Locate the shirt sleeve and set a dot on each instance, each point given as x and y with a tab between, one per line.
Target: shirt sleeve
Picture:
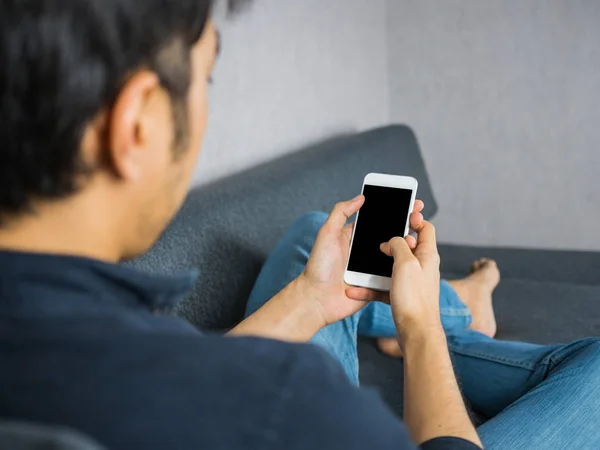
449	443
320	408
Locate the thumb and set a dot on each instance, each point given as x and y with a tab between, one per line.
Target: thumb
343	211
397	248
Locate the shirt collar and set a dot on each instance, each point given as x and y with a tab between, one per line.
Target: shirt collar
42	281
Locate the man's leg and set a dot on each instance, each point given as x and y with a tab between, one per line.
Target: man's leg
536	397
542	397
284	265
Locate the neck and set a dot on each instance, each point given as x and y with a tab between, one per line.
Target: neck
69	227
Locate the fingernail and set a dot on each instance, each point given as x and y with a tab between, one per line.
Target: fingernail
357	198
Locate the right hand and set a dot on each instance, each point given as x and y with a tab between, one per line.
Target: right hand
415	290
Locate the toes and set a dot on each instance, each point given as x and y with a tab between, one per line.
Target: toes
486	269
482	263
488	263
476	266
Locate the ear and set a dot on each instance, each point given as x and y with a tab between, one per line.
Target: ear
128	131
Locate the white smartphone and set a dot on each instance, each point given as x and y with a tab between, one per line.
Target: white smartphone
386	213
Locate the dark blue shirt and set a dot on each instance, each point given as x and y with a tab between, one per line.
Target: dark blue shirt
87	345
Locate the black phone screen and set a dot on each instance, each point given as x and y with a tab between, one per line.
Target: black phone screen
382	217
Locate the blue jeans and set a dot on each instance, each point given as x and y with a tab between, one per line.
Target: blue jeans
536	397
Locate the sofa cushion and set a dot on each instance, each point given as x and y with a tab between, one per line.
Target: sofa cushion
547	312
545	296
227	229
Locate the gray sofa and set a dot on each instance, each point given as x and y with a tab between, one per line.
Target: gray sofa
226	230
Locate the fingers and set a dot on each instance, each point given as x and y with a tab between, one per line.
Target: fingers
343	211
426	250
398	248
419	206
348	229
411	241
367	295
427	238
416	218
416	221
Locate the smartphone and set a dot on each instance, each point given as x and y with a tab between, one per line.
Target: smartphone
386	214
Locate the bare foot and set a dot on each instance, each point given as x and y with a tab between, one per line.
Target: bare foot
476	292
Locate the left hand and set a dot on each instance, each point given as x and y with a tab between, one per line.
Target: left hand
323	276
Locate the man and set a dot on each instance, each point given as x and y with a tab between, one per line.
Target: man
102	112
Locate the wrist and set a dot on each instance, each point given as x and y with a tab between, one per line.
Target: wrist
417	335
307	298
289	316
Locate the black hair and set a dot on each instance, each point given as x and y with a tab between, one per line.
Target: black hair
61	62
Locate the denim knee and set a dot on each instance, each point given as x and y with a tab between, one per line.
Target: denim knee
310	222
456	316
592	359
582	356
304	230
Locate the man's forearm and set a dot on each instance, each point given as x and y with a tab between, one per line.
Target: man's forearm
433	404
288	316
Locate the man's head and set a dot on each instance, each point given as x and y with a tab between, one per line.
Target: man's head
103	106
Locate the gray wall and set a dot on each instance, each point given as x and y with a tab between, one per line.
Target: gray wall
504	96
293	72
